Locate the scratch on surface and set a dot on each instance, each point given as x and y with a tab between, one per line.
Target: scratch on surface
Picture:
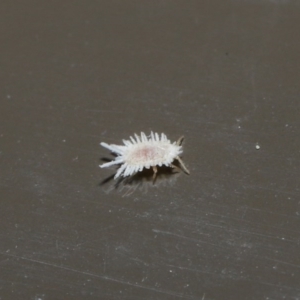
254	233
162	291
282	262
260	234
185	237
271	189
277	285
191	269
104	111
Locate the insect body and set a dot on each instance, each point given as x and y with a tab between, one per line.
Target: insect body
145	152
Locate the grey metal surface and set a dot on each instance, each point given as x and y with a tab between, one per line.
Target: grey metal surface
223	73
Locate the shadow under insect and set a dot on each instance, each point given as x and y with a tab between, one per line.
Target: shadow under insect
142	180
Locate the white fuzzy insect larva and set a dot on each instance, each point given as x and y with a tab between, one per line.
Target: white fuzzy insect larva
145	152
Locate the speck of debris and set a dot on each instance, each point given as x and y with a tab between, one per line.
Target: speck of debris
257	147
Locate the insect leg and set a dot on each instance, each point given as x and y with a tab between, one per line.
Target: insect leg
154	174
179	141
182	165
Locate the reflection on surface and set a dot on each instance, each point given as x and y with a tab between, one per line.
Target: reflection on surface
142	181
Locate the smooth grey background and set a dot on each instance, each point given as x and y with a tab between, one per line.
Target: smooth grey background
223	73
